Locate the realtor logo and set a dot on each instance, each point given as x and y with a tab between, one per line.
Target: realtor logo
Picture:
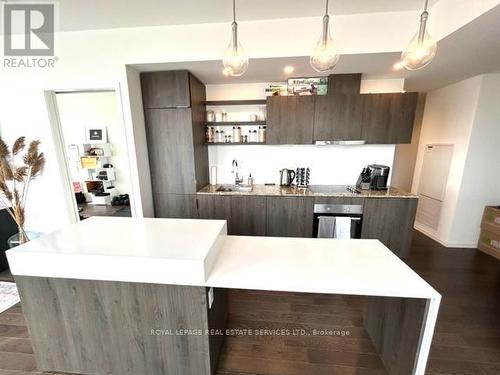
28	29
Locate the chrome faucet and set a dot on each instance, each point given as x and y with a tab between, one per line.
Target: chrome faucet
237	180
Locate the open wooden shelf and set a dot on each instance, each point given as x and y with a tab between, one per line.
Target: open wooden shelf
236	102
234	123
235	143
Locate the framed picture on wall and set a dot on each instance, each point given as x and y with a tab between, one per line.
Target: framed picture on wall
96	134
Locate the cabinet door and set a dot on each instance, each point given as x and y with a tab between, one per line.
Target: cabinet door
290	119
290	216
170	148
215	207
388	118
179	206
338	117
390	220
165	89
248	216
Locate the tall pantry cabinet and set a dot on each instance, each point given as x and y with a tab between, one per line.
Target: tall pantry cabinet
174	111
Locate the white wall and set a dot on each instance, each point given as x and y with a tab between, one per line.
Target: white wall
331	165
481	178
464	114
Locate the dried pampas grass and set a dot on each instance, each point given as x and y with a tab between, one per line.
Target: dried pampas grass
15	179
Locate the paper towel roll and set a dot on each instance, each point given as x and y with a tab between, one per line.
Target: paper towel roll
213	175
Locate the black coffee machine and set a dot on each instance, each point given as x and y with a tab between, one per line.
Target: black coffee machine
374	176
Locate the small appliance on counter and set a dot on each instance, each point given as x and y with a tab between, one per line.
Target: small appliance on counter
302	176
375	175
286	177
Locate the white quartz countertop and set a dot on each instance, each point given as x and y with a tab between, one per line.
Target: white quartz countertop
199	252
173	251
334	266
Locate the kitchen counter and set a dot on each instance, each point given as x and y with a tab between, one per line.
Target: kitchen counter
165	251
292	191
107	280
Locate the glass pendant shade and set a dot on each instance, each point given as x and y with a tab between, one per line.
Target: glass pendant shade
235	60
325	54
421	49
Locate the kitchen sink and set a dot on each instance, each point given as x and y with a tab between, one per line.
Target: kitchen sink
236	188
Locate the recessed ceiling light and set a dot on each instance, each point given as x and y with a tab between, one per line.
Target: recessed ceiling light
288	69
225	72
398	66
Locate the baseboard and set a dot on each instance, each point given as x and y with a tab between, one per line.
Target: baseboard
422	229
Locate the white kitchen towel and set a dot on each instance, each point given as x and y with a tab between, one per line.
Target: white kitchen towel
342	227
326	227
8	295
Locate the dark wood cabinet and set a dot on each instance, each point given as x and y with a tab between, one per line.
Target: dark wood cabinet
338	117
290	119
344	83
248	216
215	207
178	156
180	206
290	216
171	151
168	89
388	118
391	221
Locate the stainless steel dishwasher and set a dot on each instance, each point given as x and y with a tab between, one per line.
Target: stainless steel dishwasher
353	211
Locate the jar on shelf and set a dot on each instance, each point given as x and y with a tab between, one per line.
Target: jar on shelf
262	134
224	117
209	134
236	134
221	136
210	116
217	136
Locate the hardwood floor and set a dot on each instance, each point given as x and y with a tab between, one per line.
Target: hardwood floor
466	341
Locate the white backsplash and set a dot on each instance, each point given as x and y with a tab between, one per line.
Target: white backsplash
330	165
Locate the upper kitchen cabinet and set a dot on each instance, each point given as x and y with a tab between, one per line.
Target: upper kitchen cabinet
388	118
338	117
169	89
290	119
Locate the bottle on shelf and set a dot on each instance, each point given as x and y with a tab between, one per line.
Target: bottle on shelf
262	134
236	134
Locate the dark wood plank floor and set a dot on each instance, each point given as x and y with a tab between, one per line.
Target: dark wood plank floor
466	341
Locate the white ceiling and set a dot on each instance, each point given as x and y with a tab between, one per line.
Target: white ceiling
471	50
107	14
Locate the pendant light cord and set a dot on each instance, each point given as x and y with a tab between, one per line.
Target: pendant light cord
326	11
234	10
426	4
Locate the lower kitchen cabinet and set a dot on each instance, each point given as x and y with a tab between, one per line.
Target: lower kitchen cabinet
290	216
215	207
390	220
248	216
182	206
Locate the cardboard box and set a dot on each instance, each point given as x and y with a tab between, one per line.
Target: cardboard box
489	243
491	219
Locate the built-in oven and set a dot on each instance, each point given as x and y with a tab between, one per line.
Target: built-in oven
325	214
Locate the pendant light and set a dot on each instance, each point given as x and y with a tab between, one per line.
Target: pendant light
325	55
422	48
235	60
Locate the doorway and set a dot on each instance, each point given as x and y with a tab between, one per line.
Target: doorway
90	134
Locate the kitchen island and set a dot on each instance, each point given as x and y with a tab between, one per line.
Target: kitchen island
147	296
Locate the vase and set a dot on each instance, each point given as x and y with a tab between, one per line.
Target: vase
16	239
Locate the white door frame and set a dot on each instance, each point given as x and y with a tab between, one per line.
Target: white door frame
60	148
